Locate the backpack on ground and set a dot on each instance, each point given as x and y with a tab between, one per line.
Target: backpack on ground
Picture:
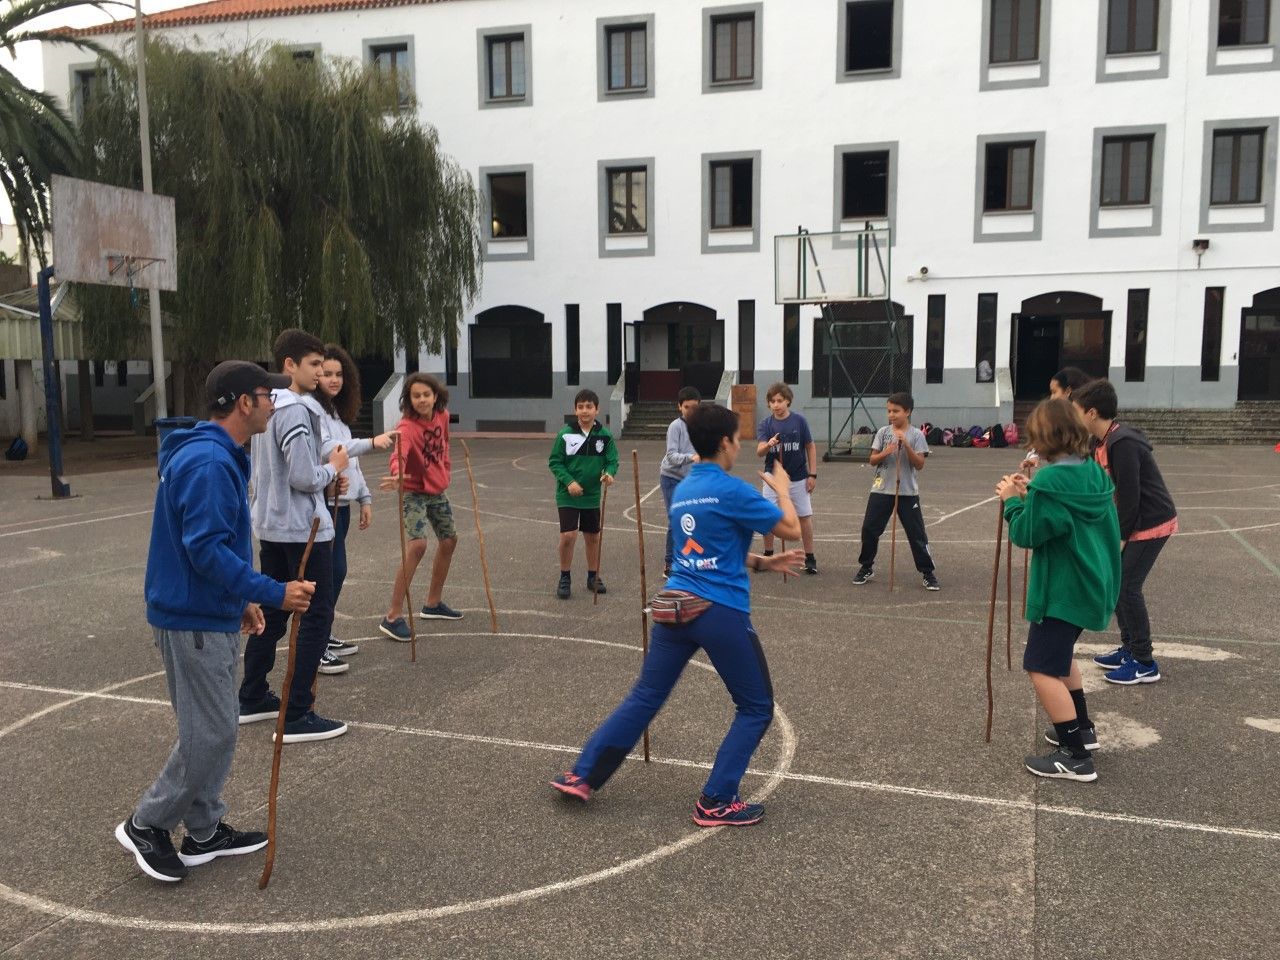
933	436
975	432
962	439
17	450
1011	437
948	437
996	436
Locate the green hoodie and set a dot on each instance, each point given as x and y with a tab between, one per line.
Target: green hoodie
582	457
1068	519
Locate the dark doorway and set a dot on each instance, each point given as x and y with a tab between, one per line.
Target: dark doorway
1056	330
1260	347
678	344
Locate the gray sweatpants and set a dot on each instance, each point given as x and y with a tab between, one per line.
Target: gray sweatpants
200	668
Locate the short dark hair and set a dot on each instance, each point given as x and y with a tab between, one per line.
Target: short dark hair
688	393
779	389
1070	379
901	399
586	396
438	388
708	425
1056	429
294	344
1097	395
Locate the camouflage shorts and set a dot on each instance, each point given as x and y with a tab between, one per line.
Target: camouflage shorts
423	509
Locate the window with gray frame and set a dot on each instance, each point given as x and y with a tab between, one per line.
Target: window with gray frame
1237	166
393	60
864	179
508	206
505	65
305	54
1135	339
1244	22
1009	176
935	337
627	194
82	90
1015	31
868	35
1133	26
626	51
986	338
1126	170
731	195
733	45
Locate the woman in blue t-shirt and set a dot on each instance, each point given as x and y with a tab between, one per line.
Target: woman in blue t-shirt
714	517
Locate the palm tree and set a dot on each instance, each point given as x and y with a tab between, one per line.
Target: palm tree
37	137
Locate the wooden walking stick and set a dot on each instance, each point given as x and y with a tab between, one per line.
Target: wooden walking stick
1008	600
644	580
1026	560
991	618
604	498
284	706
404	557
893	520
484	563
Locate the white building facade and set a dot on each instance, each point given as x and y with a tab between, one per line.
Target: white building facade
1086	183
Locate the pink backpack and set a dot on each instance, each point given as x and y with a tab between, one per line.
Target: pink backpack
1011	433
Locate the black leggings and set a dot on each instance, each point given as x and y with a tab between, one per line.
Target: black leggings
1136	561
879	510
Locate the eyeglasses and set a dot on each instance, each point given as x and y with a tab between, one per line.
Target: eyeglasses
263	396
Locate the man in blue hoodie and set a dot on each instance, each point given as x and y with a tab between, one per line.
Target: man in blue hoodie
202	592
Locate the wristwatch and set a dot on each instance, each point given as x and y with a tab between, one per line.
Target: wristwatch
813	476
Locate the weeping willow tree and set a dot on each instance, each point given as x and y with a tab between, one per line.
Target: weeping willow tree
303	198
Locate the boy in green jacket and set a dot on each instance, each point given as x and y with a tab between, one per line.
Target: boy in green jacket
583	458
1067	517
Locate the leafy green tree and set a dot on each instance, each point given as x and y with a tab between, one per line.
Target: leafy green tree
37	138
304	197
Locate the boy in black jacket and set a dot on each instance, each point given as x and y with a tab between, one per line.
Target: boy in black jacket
1148	519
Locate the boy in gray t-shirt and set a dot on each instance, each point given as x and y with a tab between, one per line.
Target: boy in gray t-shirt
897	453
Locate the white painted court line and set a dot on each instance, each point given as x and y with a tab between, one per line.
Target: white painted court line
1027	806
75	523
1252	550
956	513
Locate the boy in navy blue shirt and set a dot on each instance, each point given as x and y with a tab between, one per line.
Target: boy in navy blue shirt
784	436
716	516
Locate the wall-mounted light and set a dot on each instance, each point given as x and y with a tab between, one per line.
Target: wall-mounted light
1199	246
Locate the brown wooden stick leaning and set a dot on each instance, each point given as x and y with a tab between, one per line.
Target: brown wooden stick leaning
604	498
991	618
893	519
1008	600
484	563
404	556
644	580
284	706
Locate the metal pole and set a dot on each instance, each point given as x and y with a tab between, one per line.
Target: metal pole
144	133
52	387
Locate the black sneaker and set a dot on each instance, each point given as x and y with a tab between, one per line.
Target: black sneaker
931	582
268	708
1090	738
596	585
341	648
331	664
225	842
864	575
441	611
312	726
153	849
1061	765
810	564
562	588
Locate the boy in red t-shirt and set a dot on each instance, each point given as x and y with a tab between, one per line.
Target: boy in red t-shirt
425	471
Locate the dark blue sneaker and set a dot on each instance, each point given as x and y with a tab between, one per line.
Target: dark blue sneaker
397	629
572	785
441	611
596	585
1133	671
265	709
311	726
715	813
225	842
1111	660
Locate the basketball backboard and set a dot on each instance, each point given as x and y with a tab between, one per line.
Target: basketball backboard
831	267
112	235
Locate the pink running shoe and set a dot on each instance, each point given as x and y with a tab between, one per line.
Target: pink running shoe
710	813
572	786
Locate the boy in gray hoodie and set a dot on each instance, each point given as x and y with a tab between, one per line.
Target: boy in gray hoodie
289	483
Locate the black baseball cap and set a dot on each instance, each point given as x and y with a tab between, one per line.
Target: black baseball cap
234	378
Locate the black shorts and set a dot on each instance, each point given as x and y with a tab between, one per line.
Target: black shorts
587	520
1050	646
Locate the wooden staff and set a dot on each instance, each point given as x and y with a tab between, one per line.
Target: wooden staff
404	556
484	563
893	520
1008	600
784	550
284	706
604	498
991	617
644	582
1026	561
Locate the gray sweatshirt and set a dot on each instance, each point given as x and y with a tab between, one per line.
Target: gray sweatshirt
337	432
289	476
678	459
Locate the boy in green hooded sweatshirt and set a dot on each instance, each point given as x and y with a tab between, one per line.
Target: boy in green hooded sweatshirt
1067	517
583	459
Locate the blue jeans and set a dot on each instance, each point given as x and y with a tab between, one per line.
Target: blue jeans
340	549
668	485
734	649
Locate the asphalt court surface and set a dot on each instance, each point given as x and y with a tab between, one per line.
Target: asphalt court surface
892	829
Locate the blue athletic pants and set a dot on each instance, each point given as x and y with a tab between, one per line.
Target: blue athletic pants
734	649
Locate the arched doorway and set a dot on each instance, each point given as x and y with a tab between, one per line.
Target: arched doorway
1260	347
676	344
1064	328
510	353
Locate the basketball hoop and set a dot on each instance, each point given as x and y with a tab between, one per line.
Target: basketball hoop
131	265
